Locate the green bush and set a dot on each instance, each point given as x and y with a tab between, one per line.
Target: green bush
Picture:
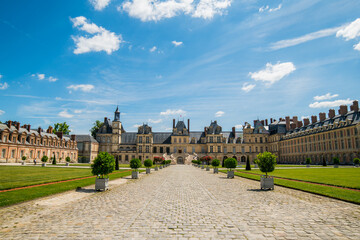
194	161
324	162
54	161
44	159
336	160
356	161
230	163
215	163
199	162
248	167
308	160
135	163
23	158
148	163
103	164
117	167
266	162
67	159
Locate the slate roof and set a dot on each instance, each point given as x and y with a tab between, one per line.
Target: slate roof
214	128
85	138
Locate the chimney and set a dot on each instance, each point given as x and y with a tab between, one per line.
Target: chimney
49	130
18	126
72	137
233	130
205	131
59	134
39	130
262	122
343	110
313	119
173	122
293	125
287	120
9	123
271	120
255	122
266	122
322	117
331	113
105	119
299	124
189	125
28	127
355	106
306	121
295	120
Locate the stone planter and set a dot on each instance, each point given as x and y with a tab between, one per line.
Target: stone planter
255	166
67	164
161	167
266	183
307	165
336	166
135	174
43	164
230	174
216	170
101	184
156	169
147	170
202	167
356	165
207	168
23	163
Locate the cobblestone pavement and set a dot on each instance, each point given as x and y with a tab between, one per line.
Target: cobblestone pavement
184	202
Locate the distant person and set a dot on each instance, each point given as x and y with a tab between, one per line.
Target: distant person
34	161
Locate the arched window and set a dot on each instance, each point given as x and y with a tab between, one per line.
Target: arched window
3	152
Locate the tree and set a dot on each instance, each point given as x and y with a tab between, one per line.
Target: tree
248	167
148	163
117	167
103	164
215	163
135	164
266	162
96	126
230	163
61	127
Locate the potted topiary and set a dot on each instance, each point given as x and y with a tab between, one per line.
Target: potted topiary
308	162
44	159
54	160
324	162
266	162
135	164
230	164
148	164
103	164
215	163
67	159
336	162
356	162
248	167
23	158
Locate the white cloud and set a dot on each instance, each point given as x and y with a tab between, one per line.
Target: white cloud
264	8
136	125
65	114
267	8
177	43
2	112
325	97
82	87
155	121
239	126
357	46
326	104
351	31
273	73
3	86
219	114
305	38
153	49
42	76
99	4
52	79
170	112
247	87
77	111
102	40
275	9
155	10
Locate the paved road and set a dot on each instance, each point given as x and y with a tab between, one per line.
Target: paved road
186	203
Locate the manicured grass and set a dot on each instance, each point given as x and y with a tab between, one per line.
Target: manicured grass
344	177
21	195
349	177
20	176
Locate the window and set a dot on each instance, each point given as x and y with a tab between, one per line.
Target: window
21	153
211	139
211	149
3	152
23	140
225	149
342	144
14	139
261	140
174	149
31	154
179	140
161	149
256	140
243	149
168	150
202	150
140	139
175	140
126	158
349	143
147	140
193	149
32	141
4	139
154	149
249	149
256	149
219	149
38	154
261	149
185	140
234	149
147	149
140	149
218	139
12	153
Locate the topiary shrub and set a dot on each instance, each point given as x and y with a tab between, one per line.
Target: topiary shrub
230	163
248	167
336	160
308	161
54	160
103	164
44	159
148	163
356	161
117	167
215	163
266	162
324	162
23	158
135	164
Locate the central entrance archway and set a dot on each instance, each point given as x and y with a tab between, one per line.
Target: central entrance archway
180	160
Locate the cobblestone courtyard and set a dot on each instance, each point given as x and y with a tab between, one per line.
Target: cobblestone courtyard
185	202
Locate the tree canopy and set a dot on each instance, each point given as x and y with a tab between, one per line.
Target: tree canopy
61	127
96	126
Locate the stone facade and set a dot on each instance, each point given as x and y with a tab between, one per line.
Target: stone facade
88	148
291	140
16	142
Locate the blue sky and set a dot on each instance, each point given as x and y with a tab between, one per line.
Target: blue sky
227	60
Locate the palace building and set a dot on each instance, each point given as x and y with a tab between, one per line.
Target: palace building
16	142
290	139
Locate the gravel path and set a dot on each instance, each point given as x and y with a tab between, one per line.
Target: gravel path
186	203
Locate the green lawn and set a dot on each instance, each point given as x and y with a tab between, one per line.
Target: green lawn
347	177
21	195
